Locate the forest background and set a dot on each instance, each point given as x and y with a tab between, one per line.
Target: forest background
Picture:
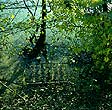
55	54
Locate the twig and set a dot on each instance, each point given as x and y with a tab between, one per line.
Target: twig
47	83
12	90
14	3
20	7
15	16
36	7
28	8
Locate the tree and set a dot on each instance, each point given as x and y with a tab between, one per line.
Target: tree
91	22
40	42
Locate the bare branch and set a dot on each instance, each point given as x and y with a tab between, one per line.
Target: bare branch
28	8
20	7
15	16
11	90
12	4
48	83
36	7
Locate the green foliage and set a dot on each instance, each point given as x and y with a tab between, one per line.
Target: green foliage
2	6
78	71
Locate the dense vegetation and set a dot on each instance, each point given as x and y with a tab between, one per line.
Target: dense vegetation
55	54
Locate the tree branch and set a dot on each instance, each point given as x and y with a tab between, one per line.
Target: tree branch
49	83
11	90
28	8
36	7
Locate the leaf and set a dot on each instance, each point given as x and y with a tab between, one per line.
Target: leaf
93	1
106	59
12	16
2	28
2	6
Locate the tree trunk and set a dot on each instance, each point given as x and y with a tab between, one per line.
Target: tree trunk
104	5
40	43
43	25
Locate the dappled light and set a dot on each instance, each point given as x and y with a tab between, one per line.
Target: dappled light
55	55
